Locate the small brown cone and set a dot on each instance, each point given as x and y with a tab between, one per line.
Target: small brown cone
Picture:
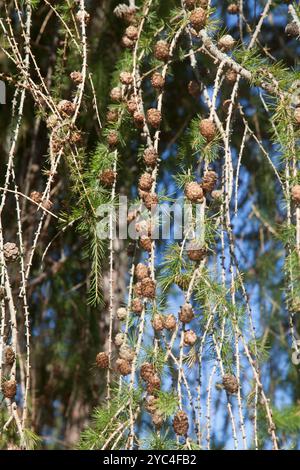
127	42
119	339
116	94
194	192
137	306
123	366
76	77
154	117
230	383
139	119
147	371
189	338
233	9
112	115
102	360
207	129
150	200
107	178
112	138
157	81
150	403
158	322
126	353
296	193
11	251
157	419
9	388
9	356
153	385
148	288
132	106
145	243
186	313
66	108
122	313
209	181
150	157
196	252
36	196
198	18
162	50
132	32
292	30
138	289
170	322
141	271
226	43
145	182
181	423
126	78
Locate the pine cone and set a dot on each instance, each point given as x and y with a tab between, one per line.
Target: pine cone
189	338
137	306
36	196
11	251
66	108
193	192
217	194
47	204
209	181
9	388
112	138
145	243
230	383
207	129
126	78
150	404
112	115
162	51
186	313
198	19
145	182
138	289
126	353
195	252
147	371
116	94
153	384
233	9
158	322
52	120
148	288
141	271
107	178
121	313
119	339
150	200
194	88
132	33
157	419
296	193
102	360
123	366
154	117
181	423
226	43
170	322
125	12
132	106
76	77
75	138
150	157
144	228
139	119
9	356
292	30
127	42
231	76
157	81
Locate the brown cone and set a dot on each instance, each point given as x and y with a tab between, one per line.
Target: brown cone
181	423
145	182
189	338
102	360
9	388
194	192
170	322
107	178
157	81
230	383
141	271
150	157
123	366
148	288
198	18
296	193
147	371
161	50
186	313
11	251
137	306
207	129
9	356
158	322
145	243
209	181
154	117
